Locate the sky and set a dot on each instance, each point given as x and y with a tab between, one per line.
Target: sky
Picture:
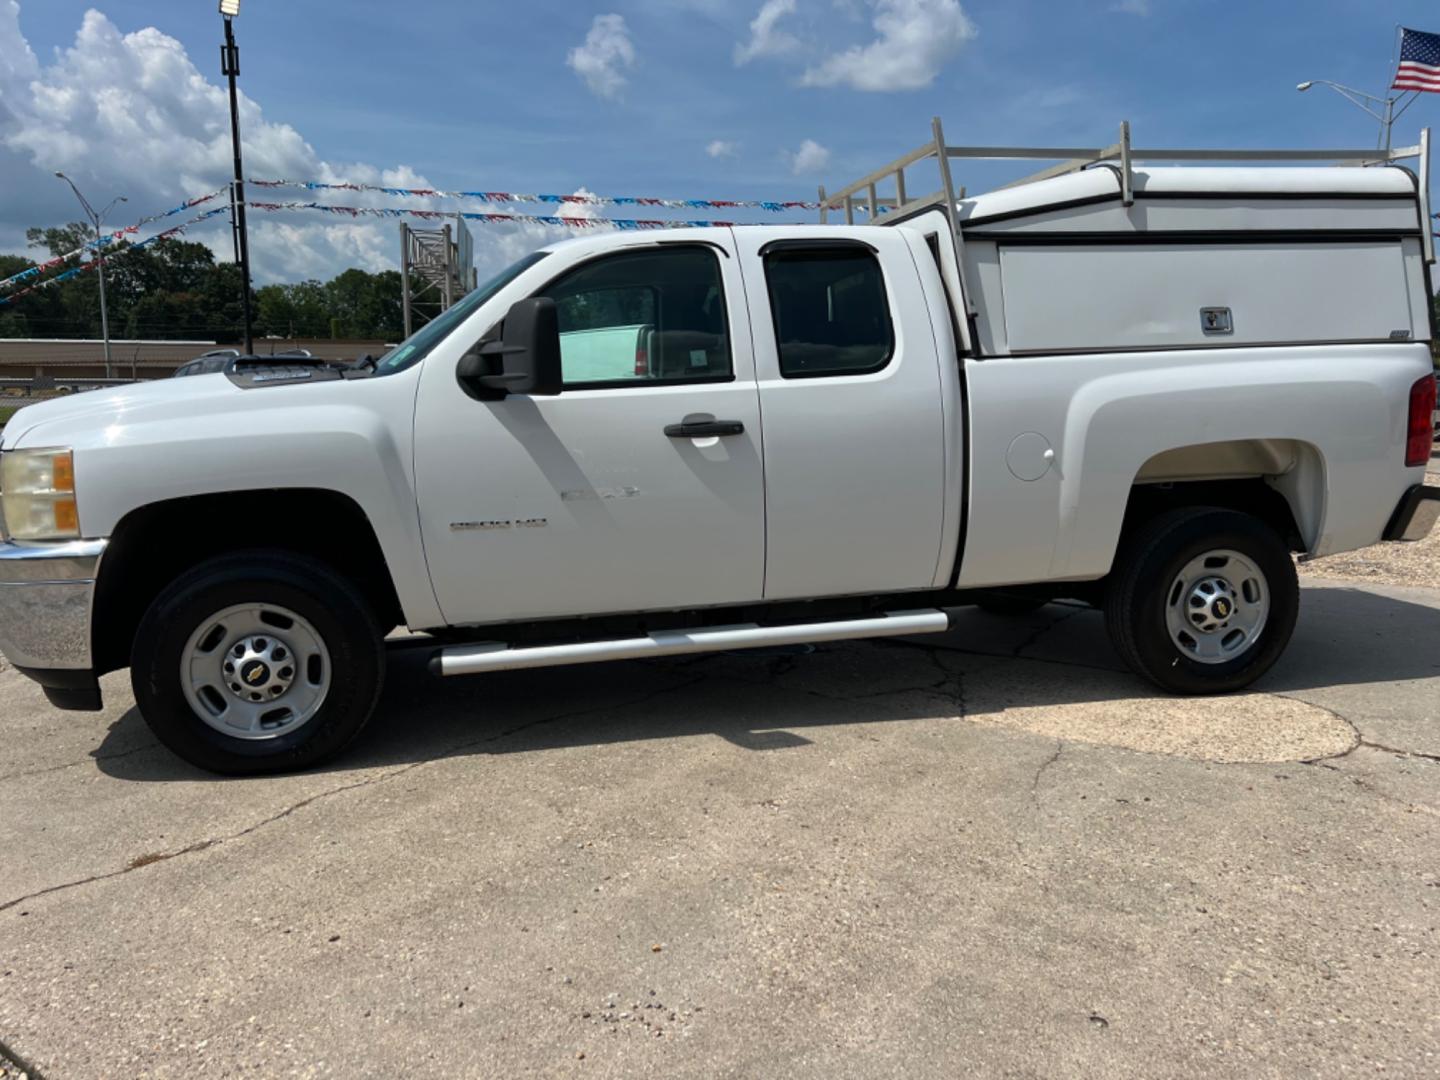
745	99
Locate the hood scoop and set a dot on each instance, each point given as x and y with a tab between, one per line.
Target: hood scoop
255	372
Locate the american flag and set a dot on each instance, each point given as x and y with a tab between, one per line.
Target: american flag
1419	62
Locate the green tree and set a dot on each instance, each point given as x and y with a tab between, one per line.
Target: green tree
175	289
62	239
364	304
300	310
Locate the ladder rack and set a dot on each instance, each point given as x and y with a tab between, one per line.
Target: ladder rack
866	195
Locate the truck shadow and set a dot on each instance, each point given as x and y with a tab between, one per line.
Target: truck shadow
1054	660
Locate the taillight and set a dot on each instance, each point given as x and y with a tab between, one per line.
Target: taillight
1420	433
642	358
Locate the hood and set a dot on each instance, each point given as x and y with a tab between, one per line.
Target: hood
64	421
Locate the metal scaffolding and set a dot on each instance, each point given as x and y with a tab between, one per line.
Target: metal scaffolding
436	269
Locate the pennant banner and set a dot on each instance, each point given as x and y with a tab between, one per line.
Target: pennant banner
76	271
494	219
521	197
104	241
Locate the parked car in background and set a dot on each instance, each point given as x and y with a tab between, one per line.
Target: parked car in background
207	363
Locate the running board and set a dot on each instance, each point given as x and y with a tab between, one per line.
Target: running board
498	656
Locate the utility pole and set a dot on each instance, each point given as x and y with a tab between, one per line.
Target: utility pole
95	221
230	68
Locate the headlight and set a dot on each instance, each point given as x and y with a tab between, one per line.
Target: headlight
38	490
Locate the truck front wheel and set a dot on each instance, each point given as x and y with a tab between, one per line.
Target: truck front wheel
1202	600
257	662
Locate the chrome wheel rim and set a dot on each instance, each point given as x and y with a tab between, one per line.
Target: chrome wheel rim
1217	606
255	671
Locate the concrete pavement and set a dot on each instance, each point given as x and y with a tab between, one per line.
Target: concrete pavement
989	852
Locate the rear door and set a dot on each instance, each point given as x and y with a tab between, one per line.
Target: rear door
853	420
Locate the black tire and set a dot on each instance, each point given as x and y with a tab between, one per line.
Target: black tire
1150	561
1010	604
333	607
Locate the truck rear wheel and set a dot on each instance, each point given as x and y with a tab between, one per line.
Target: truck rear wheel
257	662
1202	600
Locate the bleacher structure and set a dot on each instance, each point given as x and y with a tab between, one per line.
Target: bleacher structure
437	268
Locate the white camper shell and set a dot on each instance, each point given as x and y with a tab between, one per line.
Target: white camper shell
1101	255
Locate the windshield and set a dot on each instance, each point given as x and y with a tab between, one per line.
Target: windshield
415	348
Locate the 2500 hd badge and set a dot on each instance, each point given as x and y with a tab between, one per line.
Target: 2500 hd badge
489	526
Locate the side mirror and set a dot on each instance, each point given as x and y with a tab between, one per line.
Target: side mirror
525	361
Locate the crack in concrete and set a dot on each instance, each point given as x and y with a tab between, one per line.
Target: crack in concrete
1016	654
1035	635
952	680
1365	785
1012	655
459	748
1040	772
1397	752
1359	736
26	1069
1326	761
75	764
1356	736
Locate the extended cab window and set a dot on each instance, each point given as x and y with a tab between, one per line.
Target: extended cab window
831	315
649	316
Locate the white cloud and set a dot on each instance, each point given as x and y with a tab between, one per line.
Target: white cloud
915	40
603	56
765	38
722	148
131	114
133	109
17	62
1131	7
811	157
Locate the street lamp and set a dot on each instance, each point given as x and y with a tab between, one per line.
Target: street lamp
230	67
1368	102
95	220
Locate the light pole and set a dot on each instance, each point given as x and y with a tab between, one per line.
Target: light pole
1382	109
230	67
95	220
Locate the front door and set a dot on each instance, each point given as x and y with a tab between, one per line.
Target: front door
585	503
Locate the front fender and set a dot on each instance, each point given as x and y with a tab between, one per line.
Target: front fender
351	437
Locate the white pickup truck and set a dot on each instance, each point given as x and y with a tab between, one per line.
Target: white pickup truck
1144	387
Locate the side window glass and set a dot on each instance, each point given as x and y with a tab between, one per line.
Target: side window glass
652	316
831	314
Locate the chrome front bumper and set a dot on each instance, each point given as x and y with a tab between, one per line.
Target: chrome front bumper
47	591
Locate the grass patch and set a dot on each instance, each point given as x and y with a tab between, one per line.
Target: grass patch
7	411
